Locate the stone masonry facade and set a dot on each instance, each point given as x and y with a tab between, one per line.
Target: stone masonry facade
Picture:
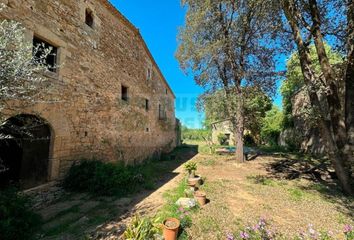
107	100
222	128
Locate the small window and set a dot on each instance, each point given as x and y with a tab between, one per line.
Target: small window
149	74
124	93
166	90
89	18
147	104
45	53
147	130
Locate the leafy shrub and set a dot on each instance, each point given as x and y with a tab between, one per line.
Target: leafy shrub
108	179
272	126
190	167
17	220
142	229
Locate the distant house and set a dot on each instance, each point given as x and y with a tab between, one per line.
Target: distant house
223	127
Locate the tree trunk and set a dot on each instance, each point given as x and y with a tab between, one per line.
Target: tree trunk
349	88
309	79
333	99
239	126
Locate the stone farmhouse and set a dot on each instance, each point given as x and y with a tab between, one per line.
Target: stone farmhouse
106	99
223	127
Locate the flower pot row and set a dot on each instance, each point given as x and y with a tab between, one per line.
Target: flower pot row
200	196
171	225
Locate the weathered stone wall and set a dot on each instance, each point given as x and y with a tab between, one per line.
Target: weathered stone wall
82	103
307	133
222	127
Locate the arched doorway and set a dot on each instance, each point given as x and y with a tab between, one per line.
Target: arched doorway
24	151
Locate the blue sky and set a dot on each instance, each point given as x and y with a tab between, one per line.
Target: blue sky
158	22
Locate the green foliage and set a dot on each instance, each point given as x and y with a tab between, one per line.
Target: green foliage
170	209
296	194
216	107
17	220
260	179
190	166
109	179
222	139
142	229
194	134
272	126
19	76
295	81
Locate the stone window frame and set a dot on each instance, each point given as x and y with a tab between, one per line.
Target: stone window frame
48	36
53	69
84	6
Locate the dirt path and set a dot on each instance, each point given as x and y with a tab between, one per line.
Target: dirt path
72	216
148	206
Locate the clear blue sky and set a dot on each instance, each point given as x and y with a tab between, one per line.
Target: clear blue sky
158	22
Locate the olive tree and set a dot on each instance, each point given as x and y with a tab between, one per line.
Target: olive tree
20	70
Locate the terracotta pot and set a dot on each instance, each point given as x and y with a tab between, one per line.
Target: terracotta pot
191	174
193	182
200	197
170	228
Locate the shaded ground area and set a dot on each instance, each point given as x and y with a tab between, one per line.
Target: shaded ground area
279	187
82	216
242	193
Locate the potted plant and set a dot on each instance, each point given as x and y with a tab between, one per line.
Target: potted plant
200	196
193	182
170	228
191	167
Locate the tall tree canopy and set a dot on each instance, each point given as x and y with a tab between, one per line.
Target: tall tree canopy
229	45
256	104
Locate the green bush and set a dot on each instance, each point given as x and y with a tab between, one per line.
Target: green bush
190	166
142	229
17	220
108	179
272	126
